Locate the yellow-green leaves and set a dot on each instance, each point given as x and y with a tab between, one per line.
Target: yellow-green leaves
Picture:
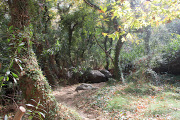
104	9
129	36
101	16
104	34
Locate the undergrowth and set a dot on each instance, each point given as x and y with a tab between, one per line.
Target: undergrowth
135	101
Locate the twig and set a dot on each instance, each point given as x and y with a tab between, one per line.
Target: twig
104	50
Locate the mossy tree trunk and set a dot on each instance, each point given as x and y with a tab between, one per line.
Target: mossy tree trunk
117	67
33	84
46	66
147	39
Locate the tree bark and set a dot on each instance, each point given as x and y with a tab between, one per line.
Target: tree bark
146	39
33	84
117	67
107	57
69	45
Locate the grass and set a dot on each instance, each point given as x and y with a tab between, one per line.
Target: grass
118	103
138	101
165	104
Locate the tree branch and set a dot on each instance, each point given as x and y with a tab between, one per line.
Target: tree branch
92	5
104	50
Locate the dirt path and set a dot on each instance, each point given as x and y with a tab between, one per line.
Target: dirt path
69	97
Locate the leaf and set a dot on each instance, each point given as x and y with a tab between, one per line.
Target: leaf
1	78
10	28
17	60
7	78
7	73
20	67
146	3
33	100
19	49
9	40
30	105
104	34
30	117
123	39
31	33
11	64
14	75
129	36
157	23
40	113
101	16
22	44
105	9
57	43
15	81
29	111
102	9
113	36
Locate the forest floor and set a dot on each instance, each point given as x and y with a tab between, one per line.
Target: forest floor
75	100
122	101
114	101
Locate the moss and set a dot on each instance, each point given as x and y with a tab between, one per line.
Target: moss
39	89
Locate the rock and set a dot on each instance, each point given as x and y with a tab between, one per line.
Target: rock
171	65
73	75
106	73
85	86
93	76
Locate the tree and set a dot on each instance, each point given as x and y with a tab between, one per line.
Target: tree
126	17
119	44
33	84
77	33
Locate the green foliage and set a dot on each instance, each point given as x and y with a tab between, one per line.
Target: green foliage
117	103
131	51
76	40
165	103
36	113
173	46
132	101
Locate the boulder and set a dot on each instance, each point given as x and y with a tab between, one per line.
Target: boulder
73	75
93	76
171	65
85	86
106	73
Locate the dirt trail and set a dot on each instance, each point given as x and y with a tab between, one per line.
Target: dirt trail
69	97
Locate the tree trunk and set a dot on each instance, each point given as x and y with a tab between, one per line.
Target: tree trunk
52	79
46	66
106	48
35	87
33	84
69	45
107	57
147	38
117	68
118	72
119	45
